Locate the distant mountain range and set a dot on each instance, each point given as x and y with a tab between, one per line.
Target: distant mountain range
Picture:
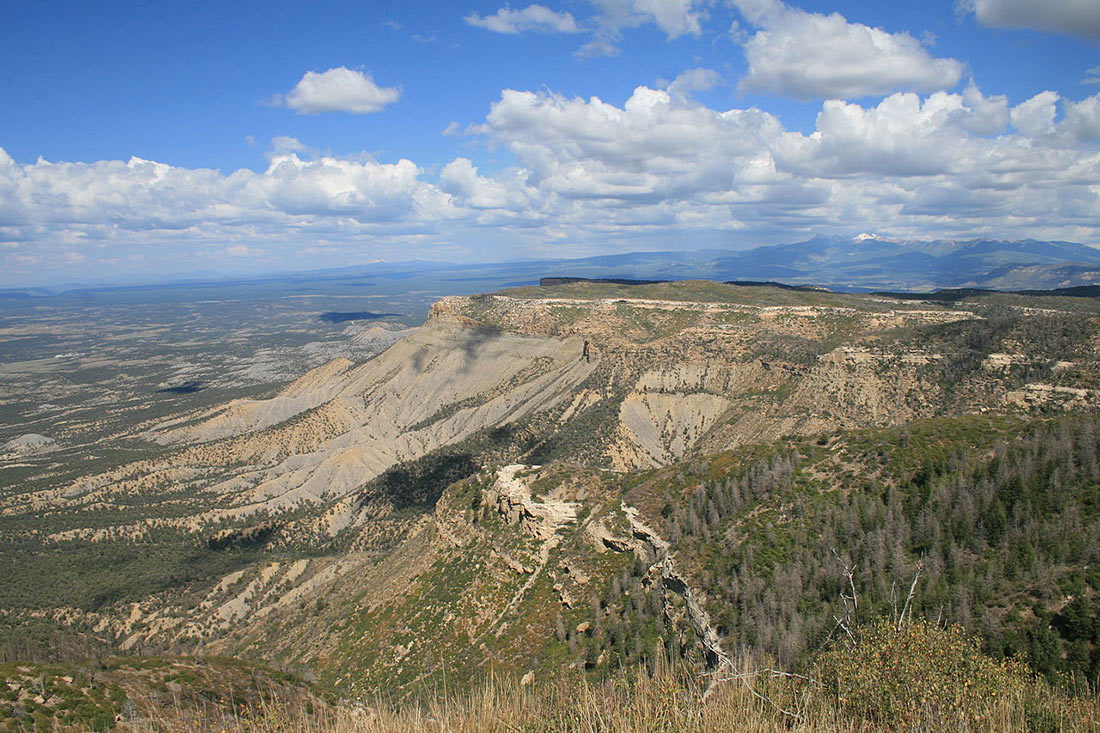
863	263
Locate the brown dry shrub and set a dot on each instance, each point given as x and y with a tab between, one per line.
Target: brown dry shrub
919	676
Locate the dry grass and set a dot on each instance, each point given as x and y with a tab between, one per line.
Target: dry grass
916	677
664	701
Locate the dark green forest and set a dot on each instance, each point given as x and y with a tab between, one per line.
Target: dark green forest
997	519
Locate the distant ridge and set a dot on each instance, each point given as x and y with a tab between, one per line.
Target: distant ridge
945	295
849	264
547	282
774	284
1080	291
956	294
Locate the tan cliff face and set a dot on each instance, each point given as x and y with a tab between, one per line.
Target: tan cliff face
340	425
666	378
690	375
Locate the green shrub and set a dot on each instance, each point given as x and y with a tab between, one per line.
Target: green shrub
920	676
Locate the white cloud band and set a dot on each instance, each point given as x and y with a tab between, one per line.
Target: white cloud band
593	175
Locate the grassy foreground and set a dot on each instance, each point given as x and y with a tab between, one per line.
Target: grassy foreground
660	703
920	677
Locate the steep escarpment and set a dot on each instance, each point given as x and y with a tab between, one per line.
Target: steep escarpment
703	369
583	475
342	425
621	382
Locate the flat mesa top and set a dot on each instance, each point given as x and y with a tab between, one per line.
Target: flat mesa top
775	295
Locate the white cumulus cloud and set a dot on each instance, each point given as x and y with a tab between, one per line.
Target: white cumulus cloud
675	17
532	18
1036	115
811	56
946	164
984	115
1082	119
507	191
1071	17
597	48
337	90
694	80
652	148
140	206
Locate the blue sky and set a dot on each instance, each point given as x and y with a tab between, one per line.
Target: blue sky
145	139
